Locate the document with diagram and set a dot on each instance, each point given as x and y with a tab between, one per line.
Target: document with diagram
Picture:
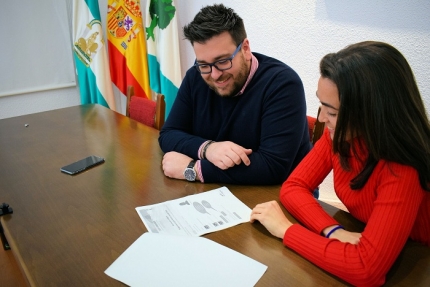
196	214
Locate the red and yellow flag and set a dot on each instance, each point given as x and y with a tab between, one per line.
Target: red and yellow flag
127	47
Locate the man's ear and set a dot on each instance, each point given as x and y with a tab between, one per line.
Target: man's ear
246	49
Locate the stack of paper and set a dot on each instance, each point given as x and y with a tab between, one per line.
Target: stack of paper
172	254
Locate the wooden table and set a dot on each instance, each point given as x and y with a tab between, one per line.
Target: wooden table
66	230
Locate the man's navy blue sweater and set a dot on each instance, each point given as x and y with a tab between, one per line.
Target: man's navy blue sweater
269	118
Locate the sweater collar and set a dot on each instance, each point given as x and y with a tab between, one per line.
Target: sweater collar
254	66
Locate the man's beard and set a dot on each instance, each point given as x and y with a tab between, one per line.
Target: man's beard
238	82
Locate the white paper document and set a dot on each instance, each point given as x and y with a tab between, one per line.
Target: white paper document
162	260
196	214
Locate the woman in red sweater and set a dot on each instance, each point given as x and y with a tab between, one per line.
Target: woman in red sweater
377	143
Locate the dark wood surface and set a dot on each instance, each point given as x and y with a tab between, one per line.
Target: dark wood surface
10	272
66	230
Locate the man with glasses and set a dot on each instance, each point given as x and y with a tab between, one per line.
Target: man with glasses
239	117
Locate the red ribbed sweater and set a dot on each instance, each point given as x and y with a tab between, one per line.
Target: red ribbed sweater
392	204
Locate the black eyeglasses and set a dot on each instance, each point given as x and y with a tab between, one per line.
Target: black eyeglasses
221	65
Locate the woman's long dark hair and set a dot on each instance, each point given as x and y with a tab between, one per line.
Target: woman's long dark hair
379	102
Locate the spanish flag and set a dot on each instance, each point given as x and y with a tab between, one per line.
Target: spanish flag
127	47
90	55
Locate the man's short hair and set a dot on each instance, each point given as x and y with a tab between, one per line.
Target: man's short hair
212	21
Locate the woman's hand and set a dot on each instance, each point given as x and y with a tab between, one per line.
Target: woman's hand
342	235
271	216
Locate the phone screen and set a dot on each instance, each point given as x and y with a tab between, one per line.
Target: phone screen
82	164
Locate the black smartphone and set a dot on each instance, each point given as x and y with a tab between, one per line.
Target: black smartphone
82	164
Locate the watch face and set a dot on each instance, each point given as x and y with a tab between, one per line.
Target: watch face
190	174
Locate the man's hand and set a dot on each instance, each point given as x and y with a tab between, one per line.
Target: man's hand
227	154
174	164
271	216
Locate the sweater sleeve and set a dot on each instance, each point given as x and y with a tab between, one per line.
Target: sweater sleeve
297	192
177	133
392	215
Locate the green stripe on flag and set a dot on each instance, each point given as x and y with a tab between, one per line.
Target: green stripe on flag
160	83
87	79
93	6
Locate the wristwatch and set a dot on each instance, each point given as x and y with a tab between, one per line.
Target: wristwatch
189	172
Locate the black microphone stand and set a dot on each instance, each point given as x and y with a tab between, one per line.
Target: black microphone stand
4	209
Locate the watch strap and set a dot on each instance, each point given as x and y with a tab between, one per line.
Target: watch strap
191	164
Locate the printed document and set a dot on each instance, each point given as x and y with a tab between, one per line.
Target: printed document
196	214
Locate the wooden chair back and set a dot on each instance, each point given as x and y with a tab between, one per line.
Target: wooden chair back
316	128
146	111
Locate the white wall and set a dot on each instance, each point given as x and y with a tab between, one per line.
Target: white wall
36	62
301	32
298	32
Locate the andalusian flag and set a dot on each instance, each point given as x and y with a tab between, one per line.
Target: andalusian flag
90	55
127	47
163	49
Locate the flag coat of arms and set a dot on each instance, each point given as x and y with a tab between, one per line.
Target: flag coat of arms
90	55
127	47
163	49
